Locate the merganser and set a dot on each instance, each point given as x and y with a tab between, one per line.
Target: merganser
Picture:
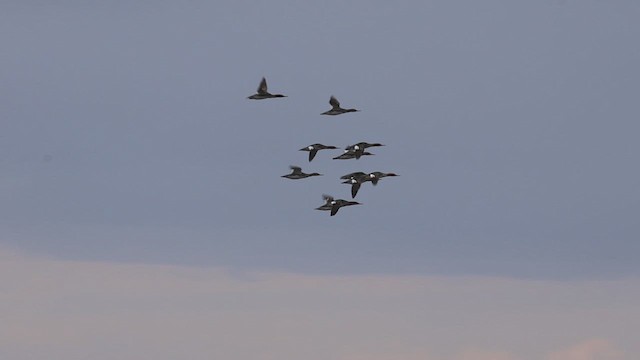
313	149
296	173
358	149
335	204
351	154
262	92
375	176
355	179
362	145
335	108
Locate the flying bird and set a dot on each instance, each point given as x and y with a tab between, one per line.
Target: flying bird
359	148
335	204
355	179
352	154
262	92
335	107
296	173
313	149
362	145
375	176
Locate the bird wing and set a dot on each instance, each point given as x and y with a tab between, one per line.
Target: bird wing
334	209
312	154
327	198
354	189
295	169
262	89
334	102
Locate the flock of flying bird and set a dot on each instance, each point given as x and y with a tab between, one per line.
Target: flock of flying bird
356	151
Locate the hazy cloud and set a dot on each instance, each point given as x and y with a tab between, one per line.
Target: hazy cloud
77	310
593	349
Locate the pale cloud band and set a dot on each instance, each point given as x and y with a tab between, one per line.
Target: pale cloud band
53	309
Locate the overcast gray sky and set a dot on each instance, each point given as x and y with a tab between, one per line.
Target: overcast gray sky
126	134
141	197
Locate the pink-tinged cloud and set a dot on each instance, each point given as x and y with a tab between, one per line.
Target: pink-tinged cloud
52	309
425	354
594	349
485	355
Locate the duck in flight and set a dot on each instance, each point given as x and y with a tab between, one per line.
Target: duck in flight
262	92
359	148
352	154
362	145
335	108
335	204
296	173
313	149
375	176
356	179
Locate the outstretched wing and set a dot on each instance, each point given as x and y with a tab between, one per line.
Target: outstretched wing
354	189
262	89
312	154
295	169
334	102
334	209
327	198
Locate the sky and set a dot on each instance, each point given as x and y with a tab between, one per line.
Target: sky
128	148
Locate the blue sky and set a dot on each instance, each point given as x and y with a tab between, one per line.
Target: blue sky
134	172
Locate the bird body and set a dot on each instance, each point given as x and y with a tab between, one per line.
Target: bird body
334	205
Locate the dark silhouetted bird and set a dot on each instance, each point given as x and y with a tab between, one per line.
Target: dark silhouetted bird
335	204
296	173
313	149
375	176
335	108
359	148
263	93
355	179
352	154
